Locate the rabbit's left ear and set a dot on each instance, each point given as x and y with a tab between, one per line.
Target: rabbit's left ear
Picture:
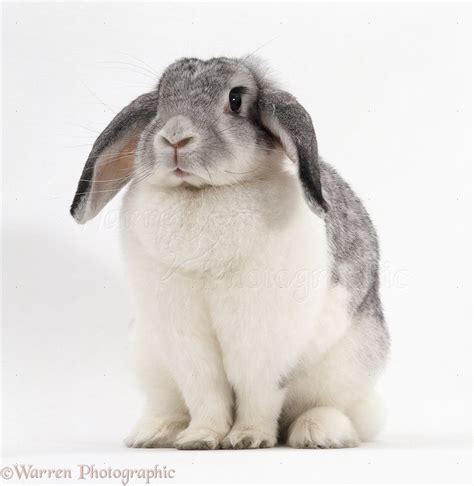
110	164
291	125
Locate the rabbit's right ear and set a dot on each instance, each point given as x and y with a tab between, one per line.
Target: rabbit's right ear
110	164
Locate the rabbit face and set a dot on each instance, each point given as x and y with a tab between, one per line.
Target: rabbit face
208	123
206	131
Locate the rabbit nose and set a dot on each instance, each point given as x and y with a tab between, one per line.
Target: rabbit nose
177	132
178	144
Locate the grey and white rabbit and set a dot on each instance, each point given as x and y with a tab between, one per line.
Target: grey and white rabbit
253	266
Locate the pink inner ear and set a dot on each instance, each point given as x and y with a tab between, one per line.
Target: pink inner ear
112	171
115	167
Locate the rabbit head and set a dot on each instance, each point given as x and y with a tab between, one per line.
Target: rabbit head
207	123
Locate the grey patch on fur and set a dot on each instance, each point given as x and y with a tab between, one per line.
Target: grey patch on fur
354	248
234	403
283	382
286	379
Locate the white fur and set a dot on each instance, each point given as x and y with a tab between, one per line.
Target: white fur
232	291
322	427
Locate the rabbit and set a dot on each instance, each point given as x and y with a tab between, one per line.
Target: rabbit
253	266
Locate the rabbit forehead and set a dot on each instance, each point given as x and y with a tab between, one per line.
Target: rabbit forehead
200	82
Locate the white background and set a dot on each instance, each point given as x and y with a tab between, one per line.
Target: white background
389	90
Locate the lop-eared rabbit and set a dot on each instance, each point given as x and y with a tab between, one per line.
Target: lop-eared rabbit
253	266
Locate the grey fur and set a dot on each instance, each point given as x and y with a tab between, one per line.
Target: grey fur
355	251
283	108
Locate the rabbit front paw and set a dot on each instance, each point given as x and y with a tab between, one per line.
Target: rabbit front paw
153	431
248	438
198	438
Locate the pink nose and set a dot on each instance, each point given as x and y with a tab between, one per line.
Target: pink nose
179	144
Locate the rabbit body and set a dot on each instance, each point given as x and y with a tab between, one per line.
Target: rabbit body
234	297
253	266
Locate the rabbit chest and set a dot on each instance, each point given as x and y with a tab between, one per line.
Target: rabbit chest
211	230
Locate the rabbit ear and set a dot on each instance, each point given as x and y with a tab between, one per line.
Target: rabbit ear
110	163
290	123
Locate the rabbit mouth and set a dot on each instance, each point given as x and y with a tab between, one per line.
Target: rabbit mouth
180	172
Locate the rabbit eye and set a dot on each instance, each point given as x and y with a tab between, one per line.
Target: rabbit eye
235	99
